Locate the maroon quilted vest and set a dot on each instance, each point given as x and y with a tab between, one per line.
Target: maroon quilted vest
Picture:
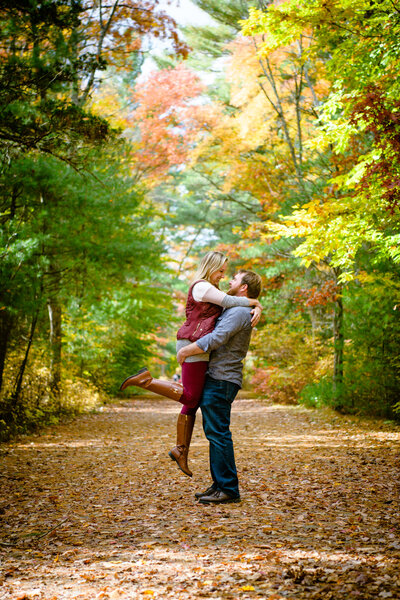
200	318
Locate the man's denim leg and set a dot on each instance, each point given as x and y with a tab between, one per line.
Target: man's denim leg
216	410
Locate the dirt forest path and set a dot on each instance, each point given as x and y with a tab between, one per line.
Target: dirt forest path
96	509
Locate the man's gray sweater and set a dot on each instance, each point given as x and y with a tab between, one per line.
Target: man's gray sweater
228	344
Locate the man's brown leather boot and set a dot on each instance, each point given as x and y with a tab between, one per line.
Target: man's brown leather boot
184	430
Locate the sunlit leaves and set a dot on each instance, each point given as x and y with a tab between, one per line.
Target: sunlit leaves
166	119
118	28
351	212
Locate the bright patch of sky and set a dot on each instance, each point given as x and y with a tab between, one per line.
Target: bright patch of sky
185	13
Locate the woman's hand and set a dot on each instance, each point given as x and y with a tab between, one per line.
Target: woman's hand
256	312
254	302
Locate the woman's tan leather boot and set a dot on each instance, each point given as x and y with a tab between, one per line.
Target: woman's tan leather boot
144	380
184	430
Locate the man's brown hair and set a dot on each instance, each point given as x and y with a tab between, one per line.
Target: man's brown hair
253	282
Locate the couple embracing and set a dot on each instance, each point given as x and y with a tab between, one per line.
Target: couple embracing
211	347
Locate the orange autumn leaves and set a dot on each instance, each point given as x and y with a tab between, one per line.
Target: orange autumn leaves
167	119
179	126
117	29
162	127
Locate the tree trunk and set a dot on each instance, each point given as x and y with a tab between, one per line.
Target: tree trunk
338	338
55	318
5	331
20	377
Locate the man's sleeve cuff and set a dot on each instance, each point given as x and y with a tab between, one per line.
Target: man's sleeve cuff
202	343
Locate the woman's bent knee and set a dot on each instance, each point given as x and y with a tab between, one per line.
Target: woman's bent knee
191	400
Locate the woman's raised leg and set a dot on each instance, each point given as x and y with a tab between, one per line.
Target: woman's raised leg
143	379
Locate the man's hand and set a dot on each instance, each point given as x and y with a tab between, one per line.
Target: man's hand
186	351
256	312
181	356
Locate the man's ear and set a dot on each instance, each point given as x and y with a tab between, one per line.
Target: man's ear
243	287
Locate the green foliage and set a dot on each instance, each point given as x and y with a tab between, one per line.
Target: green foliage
289	359
38	68
295	175
37	407
372	367
317	395
351	221
197	212
372	371
227	12
363	101
79	251
94	234
117	335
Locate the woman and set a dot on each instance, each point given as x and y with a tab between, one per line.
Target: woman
205	303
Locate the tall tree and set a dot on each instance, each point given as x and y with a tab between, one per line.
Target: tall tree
52	55
356	132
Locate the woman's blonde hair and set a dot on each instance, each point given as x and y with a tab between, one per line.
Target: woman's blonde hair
210	263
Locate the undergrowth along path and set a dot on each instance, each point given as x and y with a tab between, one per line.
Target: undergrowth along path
96	509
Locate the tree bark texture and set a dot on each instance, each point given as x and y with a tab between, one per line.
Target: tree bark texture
6	325
55	320
20	377
338	338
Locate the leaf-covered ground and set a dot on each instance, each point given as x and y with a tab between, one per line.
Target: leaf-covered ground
96	509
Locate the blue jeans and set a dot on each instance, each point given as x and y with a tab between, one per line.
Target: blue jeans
215	406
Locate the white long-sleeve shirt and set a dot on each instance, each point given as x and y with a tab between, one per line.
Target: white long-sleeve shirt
203	291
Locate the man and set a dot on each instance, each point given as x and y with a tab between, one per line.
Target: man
228	344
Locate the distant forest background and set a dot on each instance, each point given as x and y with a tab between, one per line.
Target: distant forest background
272	134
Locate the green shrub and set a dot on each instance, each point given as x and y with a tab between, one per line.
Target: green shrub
317	395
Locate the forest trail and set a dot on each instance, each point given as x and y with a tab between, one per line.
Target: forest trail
96	509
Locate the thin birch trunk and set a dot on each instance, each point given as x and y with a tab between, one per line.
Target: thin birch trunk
20	377
338	342
55	321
